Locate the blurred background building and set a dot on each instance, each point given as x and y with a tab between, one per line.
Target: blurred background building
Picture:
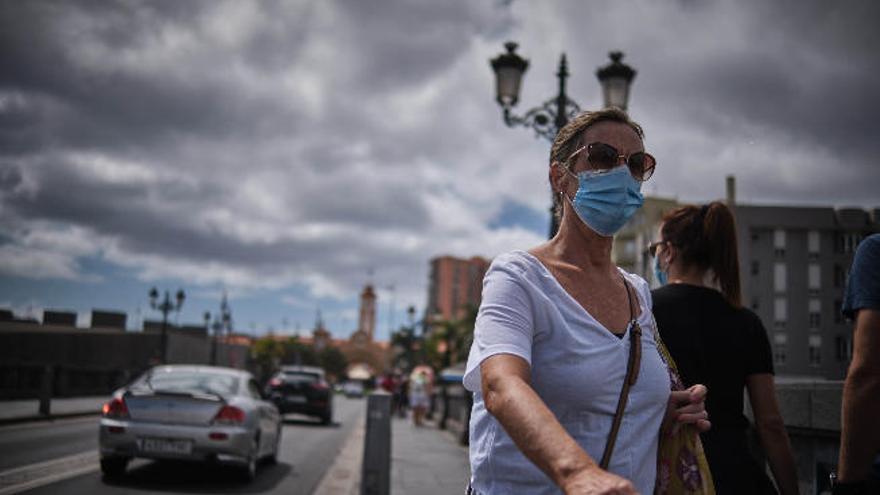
454	284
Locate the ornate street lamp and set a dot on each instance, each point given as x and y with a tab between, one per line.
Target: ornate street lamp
222	325
616	77
547	119
166	306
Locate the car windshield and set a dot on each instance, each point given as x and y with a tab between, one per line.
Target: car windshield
300	377
222	384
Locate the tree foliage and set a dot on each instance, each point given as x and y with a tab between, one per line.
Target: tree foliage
449	341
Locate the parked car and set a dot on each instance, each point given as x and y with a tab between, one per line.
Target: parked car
203	413
353	389
303	390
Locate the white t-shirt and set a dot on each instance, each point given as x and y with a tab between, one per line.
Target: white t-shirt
577	368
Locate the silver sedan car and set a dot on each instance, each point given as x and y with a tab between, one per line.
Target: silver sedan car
203	413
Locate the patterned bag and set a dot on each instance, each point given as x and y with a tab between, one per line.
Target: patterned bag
682	467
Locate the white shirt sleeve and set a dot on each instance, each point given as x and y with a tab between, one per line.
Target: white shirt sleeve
505	321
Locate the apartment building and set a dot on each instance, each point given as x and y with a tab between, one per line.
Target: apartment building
794	263
454	284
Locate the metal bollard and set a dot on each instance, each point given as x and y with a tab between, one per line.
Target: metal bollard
46	391
376	468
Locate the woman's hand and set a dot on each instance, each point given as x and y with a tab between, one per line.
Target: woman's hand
596	481
687	407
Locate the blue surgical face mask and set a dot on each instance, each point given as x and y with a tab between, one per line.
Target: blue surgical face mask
607	199
659	275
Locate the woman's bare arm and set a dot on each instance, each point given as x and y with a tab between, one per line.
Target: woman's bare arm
771	431
860	436
510	398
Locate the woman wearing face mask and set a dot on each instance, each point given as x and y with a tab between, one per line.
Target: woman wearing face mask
715	341
554	335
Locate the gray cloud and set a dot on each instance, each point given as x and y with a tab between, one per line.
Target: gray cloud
275	143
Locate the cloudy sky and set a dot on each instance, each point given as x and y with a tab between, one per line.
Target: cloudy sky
289	151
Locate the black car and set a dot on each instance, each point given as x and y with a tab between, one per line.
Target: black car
302	390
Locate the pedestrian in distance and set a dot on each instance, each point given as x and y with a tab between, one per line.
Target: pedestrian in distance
419	396
717	342
404	395
859	436
554	332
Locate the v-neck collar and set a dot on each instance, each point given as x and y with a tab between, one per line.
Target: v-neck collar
617	337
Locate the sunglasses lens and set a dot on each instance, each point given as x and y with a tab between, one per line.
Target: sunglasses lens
641	165
602	156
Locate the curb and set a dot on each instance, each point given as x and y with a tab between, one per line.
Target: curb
344	476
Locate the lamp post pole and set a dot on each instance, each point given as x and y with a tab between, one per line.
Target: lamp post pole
166	306
547	119
212	330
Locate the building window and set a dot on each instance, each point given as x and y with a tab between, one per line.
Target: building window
780	340
851	242
841	347
813	244
814	278
755	267
815	308
780	312
779	277
838	307
815	350
779	243
839	276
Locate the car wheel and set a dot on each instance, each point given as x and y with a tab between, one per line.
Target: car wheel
113	467
249	471
327	417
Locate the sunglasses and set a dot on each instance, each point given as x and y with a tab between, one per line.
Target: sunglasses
652	248
603	156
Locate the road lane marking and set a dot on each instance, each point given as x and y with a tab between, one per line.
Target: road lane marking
43	473
345	473
49	423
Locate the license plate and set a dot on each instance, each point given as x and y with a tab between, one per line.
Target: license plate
165	446
296	399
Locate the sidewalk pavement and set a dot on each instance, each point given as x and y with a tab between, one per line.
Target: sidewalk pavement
15	411
426	460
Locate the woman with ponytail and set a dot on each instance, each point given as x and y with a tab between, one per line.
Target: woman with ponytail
717	342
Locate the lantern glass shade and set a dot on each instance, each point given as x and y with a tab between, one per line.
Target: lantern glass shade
508	80
509	69
615	91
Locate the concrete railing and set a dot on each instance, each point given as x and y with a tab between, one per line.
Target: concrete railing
453	409
89	362
811	411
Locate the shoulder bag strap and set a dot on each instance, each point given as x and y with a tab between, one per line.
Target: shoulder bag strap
632	374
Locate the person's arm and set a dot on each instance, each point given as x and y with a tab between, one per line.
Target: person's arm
533	427
771	431
859	436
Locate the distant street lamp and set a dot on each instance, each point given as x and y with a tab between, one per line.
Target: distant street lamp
547	119
166	306
222	324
